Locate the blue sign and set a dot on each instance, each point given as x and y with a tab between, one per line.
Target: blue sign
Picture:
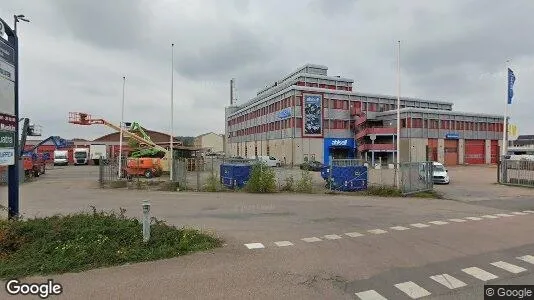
452	136
348	144
284	113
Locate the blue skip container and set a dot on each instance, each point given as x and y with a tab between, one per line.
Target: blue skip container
346	178
235	175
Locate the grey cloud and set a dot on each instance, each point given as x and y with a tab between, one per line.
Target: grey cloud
332	8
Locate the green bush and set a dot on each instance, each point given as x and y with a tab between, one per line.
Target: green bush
305	183
213	184
117	184
79	242
288	185
383	191
262	179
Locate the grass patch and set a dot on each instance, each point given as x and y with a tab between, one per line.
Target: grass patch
117	184
84	241
383	191
428	194
213	184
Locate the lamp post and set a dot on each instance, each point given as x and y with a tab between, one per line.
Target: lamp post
398	116
171	158
121	127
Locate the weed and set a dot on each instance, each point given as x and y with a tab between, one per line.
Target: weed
383	191
117	184
305	183
288	185
262	179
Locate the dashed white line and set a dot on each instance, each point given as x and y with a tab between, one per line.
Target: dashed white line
412	290
332	237
448	281
255	246
519	213
283	243
479	273
400	228
419	225
353	234
504	215
474	218
457	220
529	211
438	222
370	295
508	267
311	239
376	231
527	258
490	217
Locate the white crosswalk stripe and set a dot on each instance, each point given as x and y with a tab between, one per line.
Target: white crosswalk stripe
529	211
412	289
332	237
474	218
504	215
438	222
353	234
457	220
508	267
448	281
311	239
255	246
490	217
376	231
479	273
519	213
283	243
370	295
400	228
419	225
527	258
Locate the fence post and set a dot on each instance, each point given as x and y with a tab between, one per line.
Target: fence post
197	167
330	173
101	173
498	172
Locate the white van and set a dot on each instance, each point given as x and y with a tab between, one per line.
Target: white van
269	161
61	158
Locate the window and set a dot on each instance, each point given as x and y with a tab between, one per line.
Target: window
268	150
246	151
403	123
256	150
345	104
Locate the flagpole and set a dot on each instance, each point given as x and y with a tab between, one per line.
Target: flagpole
398	117
505	119
121	127
171	158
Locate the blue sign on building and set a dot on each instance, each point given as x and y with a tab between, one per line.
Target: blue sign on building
346	144
452	136
284	113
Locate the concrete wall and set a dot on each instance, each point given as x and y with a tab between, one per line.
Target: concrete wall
441	150
461	151
211	140
487	152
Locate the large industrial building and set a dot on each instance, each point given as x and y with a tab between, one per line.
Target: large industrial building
310	115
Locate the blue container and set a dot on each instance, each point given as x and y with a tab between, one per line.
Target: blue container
347	178
235	175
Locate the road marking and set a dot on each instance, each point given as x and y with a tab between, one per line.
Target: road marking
519	213
457	220
420	225
508	267
255	246
479	273
283	243
529	211
311	239
353	234
504	215
490	217
412	290
332	237
399	228
370	295
448	281
376	231
474	218
527	258
438	222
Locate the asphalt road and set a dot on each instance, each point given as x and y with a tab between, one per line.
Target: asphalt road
286	246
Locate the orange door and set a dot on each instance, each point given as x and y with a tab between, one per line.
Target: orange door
495	151
451	152
433	149
475	151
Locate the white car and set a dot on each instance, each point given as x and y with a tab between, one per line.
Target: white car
269	161
439	173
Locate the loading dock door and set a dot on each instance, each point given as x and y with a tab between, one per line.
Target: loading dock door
475	151
451	152
433	149
495	150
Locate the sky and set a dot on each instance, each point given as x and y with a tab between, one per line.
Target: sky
74	54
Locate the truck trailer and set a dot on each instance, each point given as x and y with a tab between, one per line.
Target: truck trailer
98	152
81	156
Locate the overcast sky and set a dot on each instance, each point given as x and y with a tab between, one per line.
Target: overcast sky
74	54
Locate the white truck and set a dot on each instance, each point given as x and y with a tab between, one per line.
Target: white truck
61	158
81	156
98	151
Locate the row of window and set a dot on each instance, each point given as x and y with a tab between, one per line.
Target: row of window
451	125
285	124
325	86
255	151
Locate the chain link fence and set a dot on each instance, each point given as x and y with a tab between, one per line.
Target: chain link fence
416	177
516	172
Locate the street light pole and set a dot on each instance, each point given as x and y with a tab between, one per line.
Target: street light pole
121	127
398	116
171	159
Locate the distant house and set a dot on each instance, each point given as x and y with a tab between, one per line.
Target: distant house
211	141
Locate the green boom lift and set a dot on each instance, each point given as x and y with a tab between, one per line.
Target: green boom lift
139	151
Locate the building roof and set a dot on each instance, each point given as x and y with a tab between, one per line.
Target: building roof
208	133
155	136
526	137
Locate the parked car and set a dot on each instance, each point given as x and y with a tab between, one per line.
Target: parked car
440	173
312	166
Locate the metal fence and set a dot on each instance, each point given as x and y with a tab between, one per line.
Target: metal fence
416	177
516	172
